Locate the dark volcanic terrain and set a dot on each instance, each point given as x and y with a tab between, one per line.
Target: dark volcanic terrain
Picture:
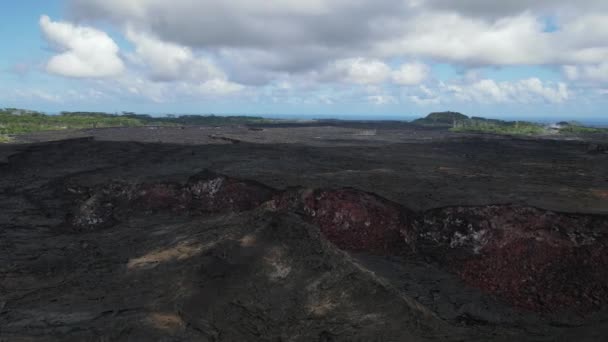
341	232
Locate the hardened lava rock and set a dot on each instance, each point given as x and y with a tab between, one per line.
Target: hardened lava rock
535	259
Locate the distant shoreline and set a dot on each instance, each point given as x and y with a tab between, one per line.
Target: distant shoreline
591	122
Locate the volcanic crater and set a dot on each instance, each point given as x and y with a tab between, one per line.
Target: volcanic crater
535	259
370	240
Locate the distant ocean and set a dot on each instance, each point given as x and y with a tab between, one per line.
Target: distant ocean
595	123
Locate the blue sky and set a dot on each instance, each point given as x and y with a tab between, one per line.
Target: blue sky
543	59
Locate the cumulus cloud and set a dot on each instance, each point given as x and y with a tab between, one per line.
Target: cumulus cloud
134	86
296	35
452	37
423	96
246	23
169	61
522	91
382	99
597	73
493	9
219	87
84	52
342	47
360	71
411	74
274	36
178	66
364	71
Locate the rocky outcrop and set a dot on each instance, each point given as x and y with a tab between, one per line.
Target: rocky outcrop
210	192
535	259
352	219
206	192
597	148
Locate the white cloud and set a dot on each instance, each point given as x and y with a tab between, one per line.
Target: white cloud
363	71
382	99
133	86
84	52
297	35
423	96
494	9
37	94
57	96
360	70
523	91
335	50
453	37
172	71
597	73
170	61
219	87
411	74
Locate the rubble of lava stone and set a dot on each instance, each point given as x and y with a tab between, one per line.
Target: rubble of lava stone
535	259
352	219
206	192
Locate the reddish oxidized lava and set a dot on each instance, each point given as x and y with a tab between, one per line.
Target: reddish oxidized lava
541	277
160	196
206	192
536	259
353	220
210	192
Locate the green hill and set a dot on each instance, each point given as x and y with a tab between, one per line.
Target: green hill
458	122
441	119
483	125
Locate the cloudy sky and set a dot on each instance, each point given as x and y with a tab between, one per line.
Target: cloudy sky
541	59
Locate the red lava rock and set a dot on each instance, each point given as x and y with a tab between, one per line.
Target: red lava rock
206	192
535	259
353	220
537	276
217	193
161	196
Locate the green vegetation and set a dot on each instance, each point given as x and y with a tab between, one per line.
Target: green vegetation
458	122
173	120
18	121
482	125
573	127
441	119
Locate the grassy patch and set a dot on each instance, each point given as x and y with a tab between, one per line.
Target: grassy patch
4	138
15	121
481	125
35	122
457	122
172	120
577	129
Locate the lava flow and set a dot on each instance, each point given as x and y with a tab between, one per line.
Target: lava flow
535	259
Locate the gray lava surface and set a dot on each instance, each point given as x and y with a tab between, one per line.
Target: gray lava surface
227	234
